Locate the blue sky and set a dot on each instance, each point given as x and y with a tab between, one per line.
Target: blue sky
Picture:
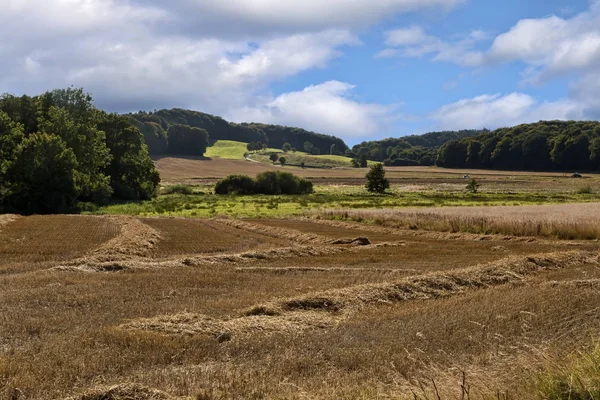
358	69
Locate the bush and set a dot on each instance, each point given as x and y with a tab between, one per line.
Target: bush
178	189
473	186
236	184
585	190
270	182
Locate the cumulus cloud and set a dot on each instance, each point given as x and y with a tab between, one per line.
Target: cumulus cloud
552	45
549	46
211	55
414	42
327	107
495	110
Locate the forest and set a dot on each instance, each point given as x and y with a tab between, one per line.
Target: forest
57	151
409	150
159	128
542	146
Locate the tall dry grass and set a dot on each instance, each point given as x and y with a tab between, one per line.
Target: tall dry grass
565	221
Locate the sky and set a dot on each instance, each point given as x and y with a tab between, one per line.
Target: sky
357	69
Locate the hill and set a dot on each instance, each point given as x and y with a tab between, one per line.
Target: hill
545	145
156	126
409	150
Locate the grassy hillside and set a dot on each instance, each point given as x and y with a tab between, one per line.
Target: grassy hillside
232	150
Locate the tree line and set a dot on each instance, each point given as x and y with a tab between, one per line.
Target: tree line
542	146
198	130
407	150
57	150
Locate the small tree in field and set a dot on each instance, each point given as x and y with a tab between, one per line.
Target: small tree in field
274	157
282	161
473	186
286	147
376	180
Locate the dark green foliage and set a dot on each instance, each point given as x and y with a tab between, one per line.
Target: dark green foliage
273	157
254	146
276	182
363	161
57	149
546	145
236	184
282	161
400	162
270	183
452	154
376	180
311	148
41	179
132	172
155	126
186	140
415	149
287	147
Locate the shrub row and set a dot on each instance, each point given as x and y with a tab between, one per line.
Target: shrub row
270	182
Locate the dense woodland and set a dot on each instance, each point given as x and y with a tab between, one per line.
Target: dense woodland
57	150
409	150
198	130
546	145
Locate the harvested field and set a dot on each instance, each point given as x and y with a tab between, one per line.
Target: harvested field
188	236
49	238
293	308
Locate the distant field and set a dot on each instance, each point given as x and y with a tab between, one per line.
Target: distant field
164	308
232	150
227	149
196	170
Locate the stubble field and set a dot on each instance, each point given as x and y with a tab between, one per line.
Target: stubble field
123	307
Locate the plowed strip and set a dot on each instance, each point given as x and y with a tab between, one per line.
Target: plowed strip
196	236
53	237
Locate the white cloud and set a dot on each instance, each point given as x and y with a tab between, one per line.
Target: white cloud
494	111
552	45
286	56
328	107
211	55
549	46
414	42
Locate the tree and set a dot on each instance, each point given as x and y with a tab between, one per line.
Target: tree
302	165
253	146
355	163
308	147
273	157
452	154
186	140
473	186
332	149
363	161
376	180
132	173
41	178
70	152
282	161
286	147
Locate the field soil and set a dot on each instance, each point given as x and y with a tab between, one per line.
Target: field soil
194	170
117	307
